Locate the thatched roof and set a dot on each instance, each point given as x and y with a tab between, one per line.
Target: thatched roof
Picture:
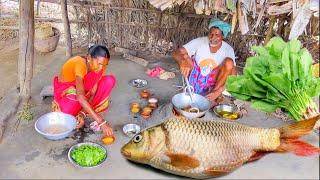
140	26
274	7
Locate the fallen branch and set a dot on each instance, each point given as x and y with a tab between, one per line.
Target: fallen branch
137	60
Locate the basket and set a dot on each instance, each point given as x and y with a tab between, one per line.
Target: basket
43	31
49	44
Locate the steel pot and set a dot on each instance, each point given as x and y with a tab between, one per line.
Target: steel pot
183	100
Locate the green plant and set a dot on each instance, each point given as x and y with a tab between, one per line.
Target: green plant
25	113
279	76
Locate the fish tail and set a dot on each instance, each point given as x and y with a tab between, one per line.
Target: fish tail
289	135
298	147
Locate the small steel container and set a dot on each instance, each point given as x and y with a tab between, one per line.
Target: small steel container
138	83
131	129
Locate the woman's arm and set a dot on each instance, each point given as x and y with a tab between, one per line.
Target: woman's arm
106	128
84	102
92	92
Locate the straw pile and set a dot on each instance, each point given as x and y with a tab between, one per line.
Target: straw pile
43	31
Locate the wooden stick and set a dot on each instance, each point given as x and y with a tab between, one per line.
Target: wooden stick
135	59
234	21
38	6
66	25
270	29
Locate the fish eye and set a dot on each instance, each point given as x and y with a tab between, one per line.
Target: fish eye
137	138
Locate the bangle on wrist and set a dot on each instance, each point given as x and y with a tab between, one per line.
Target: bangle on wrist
102	123
83	114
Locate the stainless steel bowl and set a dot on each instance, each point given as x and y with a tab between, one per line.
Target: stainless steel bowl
226	108
131	129
227	94
86	143
183	100
55	121
138	83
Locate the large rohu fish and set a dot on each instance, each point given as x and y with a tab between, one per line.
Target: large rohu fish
204	149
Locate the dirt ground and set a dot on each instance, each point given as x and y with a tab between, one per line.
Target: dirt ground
26	154
9	51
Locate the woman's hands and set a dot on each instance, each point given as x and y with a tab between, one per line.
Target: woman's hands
80	120
107	130
105	127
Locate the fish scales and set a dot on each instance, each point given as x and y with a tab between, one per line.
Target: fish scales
220	145
202	149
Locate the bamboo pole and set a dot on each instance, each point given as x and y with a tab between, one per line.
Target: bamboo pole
270	29
38	7
66	25
26	47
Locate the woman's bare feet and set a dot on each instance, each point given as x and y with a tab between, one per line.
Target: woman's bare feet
54	107
80	120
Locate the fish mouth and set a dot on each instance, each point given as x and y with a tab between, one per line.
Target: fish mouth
125	153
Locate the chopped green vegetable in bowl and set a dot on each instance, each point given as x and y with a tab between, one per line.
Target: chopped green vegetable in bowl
87	154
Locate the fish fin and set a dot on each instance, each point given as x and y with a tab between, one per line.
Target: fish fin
215	171
183	161
256	156
298	129
298	147
289	135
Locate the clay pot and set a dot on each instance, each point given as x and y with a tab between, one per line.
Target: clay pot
146	112
135	105
145	94
153	103
135	109
152	106
145	116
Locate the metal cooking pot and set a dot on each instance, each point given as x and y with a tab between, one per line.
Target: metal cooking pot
183	100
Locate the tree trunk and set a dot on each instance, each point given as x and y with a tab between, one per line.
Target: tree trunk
26	47
66	26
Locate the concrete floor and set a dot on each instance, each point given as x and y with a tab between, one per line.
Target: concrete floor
26	154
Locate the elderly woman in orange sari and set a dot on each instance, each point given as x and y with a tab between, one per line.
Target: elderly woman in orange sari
82	89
